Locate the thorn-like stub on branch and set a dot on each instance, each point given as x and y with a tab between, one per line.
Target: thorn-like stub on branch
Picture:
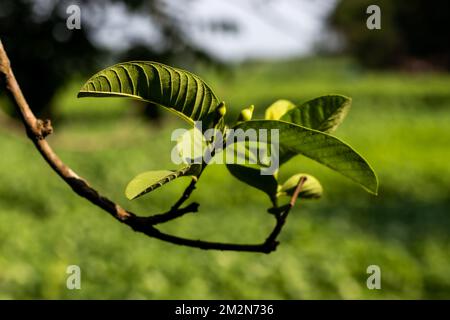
122	214
44	128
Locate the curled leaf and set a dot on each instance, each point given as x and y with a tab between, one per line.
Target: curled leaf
178	90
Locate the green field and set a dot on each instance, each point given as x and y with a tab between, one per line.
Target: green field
398	121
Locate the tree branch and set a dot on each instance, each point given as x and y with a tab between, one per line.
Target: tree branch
37	130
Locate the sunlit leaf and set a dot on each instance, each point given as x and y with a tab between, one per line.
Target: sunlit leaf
151	180
191	146
321	147
323	113
178	90
278	109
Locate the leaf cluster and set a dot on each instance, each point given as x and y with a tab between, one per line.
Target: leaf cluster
304	129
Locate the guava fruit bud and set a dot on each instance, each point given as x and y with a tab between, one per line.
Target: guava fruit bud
246	114
221	109
311	188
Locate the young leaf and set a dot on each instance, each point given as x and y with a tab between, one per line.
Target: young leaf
178	90
321	147
323	113
191	145
252	176
246	114
278	109
151	180
311	188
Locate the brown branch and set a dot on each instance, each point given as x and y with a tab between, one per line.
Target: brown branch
37	130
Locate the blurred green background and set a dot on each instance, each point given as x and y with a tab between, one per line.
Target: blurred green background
398	121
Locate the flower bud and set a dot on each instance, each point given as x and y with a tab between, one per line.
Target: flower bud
221	109
246	114
311	188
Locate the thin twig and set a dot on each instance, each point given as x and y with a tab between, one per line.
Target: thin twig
283	213
37	130
186	194
172	214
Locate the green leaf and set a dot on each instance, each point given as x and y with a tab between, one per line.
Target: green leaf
323	113
321	147
178	90
252	176
151	180
311	188
242	152
191	146
278	109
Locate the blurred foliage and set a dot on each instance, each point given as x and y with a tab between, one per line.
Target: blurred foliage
45	54
413	33
396	121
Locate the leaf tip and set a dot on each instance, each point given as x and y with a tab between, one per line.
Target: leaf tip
375	191
373	188
130	195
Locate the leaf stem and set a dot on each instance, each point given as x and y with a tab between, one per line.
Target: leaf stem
283	212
